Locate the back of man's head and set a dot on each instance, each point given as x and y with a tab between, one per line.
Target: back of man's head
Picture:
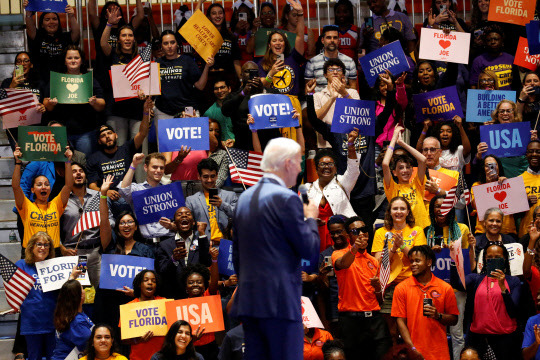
277	151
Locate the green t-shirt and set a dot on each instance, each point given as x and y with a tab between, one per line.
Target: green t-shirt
214	112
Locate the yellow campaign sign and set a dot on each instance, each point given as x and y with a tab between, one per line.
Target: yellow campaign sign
202	35
136	319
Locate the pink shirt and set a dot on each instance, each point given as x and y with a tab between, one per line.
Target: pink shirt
187	170
388	130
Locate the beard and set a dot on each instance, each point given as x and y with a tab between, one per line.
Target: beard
108	147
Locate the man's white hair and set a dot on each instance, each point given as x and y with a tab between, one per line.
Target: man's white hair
433	139
277	151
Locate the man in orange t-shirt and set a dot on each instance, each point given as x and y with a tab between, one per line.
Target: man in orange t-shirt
314	340
424	306
363	329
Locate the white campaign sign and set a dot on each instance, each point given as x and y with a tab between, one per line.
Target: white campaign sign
516	257
453	47
123	89
55	272
310	319
510	197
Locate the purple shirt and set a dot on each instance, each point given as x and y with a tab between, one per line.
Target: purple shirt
394	19
501	65
287	81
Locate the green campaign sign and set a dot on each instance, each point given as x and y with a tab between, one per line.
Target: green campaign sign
43	143
71	89
261	40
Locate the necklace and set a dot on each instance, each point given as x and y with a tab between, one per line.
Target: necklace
43	216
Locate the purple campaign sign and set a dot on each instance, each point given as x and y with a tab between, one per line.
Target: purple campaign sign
390	57
505	140
351	113
438	105
58	6
271	111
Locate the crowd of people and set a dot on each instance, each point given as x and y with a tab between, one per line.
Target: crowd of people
377	202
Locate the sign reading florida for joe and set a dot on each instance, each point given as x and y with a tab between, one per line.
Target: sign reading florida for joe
437	105
43	143
350	114
160	201
71	89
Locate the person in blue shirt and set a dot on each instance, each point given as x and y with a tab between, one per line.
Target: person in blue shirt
38	307
531	335
73	327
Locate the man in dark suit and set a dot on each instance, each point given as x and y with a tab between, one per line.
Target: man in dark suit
171	259
270	239
215	211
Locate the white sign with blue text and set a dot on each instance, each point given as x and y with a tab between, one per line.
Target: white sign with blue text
53	273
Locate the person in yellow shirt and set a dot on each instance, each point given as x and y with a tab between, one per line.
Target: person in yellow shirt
531	178
102	344
409	187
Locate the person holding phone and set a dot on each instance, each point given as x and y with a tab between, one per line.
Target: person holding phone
528	101
492	305
443	16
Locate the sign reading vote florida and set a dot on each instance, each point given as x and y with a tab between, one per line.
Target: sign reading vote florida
43	143
437	105
480	103
533	36
518	12
57	6
505	140
118	271
271	111
160	201
71	89
390	57
53	273
510	197
136	319
350	114
438	46
204	311
190	132
225	262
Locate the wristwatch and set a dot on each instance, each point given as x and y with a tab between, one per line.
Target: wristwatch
440	317
531	252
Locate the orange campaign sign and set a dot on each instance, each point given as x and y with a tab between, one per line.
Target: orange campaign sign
444	181
204	311
202	35
523	58
518	12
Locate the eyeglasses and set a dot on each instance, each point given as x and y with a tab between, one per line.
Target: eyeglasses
336	70
126	223
43	245
358	231
24	61
430	150
487	81
506	111
326	165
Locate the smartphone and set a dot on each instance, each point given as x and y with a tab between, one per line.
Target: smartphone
281	57
189	110
81	263
494	264
327	261
536	90
427	301
253	73
242	16
368	21
492	171
442	9
180	244
212	192
438	240
19	70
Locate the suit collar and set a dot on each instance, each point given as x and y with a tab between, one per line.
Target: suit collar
273	178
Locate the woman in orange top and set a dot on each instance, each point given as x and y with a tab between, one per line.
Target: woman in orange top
314	340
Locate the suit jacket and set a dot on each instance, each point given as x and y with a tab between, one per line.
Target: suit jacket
270	238
170	272
197	204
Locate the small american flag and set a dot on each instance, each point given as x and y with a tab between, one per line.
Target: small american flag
90	218
454	195
384	272
246	165
12	100
139	67
17	283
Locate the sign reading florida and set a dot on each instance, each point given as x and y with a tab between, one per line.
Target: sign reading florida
43	143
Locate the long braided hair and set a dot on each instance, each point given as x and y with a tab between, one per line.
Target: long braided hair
454	232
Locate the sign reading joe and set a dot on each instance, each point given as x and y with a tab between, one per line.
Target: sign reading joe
71	89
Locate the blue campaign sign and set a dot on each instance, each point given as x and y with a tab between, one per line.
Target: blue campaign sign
190	132
533	36
57	6
225	263
118	271
350	114
271	111
160	201
390	57
505	140
441	268
480	103
311	266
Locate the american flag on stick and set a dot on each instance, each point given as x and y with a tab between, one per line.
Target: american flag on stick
245	166
90	217
17	283
454	195
139	67
13	100
384	272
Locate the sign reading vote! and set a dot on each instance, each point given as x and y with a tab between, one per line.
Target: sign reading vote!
390	57
505	140
160	201
350	114
190	132
118	271
71	89
43	143
480	103
271	111
437	105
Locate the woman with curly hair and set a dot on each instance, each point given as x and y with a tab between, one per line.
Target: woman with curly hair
102	344
531	247
178	344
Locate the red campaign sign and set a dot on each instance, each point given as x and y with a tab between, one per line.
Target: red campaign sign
523	58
